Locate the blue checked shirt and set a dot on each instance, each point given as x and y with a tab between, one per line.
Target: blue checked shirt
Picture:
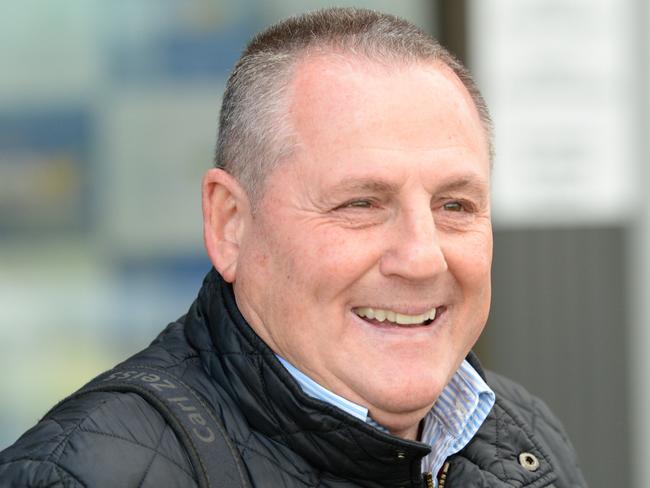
455	418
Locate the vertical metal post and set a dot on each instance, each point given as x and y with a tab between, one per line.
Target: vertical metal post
639	265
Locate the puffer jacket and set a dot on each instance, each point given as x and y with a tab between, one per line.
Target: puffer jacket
285	438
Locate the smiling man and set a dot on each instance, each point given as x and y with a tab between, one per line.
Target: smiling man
348	221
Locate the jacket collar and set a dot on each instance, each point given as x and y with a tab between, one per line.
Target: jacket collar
329	439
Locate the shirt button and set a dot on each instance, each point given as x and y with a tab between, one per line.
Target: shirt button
529	461
401	455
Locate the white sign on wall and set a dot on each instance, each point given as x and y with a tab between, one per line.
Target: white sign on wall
559	78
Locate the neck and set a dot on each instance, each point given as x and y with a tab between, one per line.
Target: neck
411	434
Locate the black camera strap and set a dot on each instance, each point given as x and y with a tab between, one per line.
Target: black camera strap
212	453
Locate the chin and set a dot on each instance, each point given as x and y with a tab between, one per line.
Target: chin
408	393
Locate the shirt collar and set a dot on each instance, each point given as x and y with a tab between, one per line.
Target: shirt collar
314	390
457	415
460	410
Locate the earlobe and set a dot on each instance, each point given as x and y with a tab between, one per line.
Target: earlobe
224	208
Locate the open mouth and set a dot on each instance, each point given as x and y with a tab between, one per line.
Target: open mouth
385	317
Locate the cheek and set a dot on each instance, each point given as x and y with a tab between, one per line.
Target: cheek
272	251
471	264
342	258
469	258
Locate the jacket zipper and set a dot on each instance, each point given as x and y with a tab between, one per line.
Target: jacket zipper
428	480
442	477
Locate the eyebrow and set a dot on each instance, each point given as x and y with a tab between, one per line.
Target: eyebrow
369	185
372	185
465	183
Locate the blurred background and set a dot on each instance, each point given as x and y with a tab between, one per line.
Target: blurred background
108	118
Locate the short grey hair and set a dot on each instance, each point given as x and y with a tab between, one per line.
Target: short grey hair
255	133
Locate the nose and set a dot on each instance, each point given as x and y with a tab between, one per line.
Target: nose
414	250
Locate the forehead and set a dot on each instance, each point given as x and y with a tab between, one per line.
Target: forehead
338	100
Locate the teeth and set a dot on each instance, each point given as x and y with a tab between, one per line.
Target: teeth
397	318
432	313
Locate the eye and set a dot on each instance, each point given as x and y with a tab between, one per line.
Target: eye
358	203
454	206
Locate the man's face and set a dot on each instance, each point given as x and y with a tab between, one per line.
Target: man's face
383	210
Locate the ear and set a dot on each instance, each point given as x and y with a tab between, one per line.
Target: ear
225	211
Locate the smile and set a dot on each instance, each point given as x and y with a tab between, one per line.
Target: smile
381	315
